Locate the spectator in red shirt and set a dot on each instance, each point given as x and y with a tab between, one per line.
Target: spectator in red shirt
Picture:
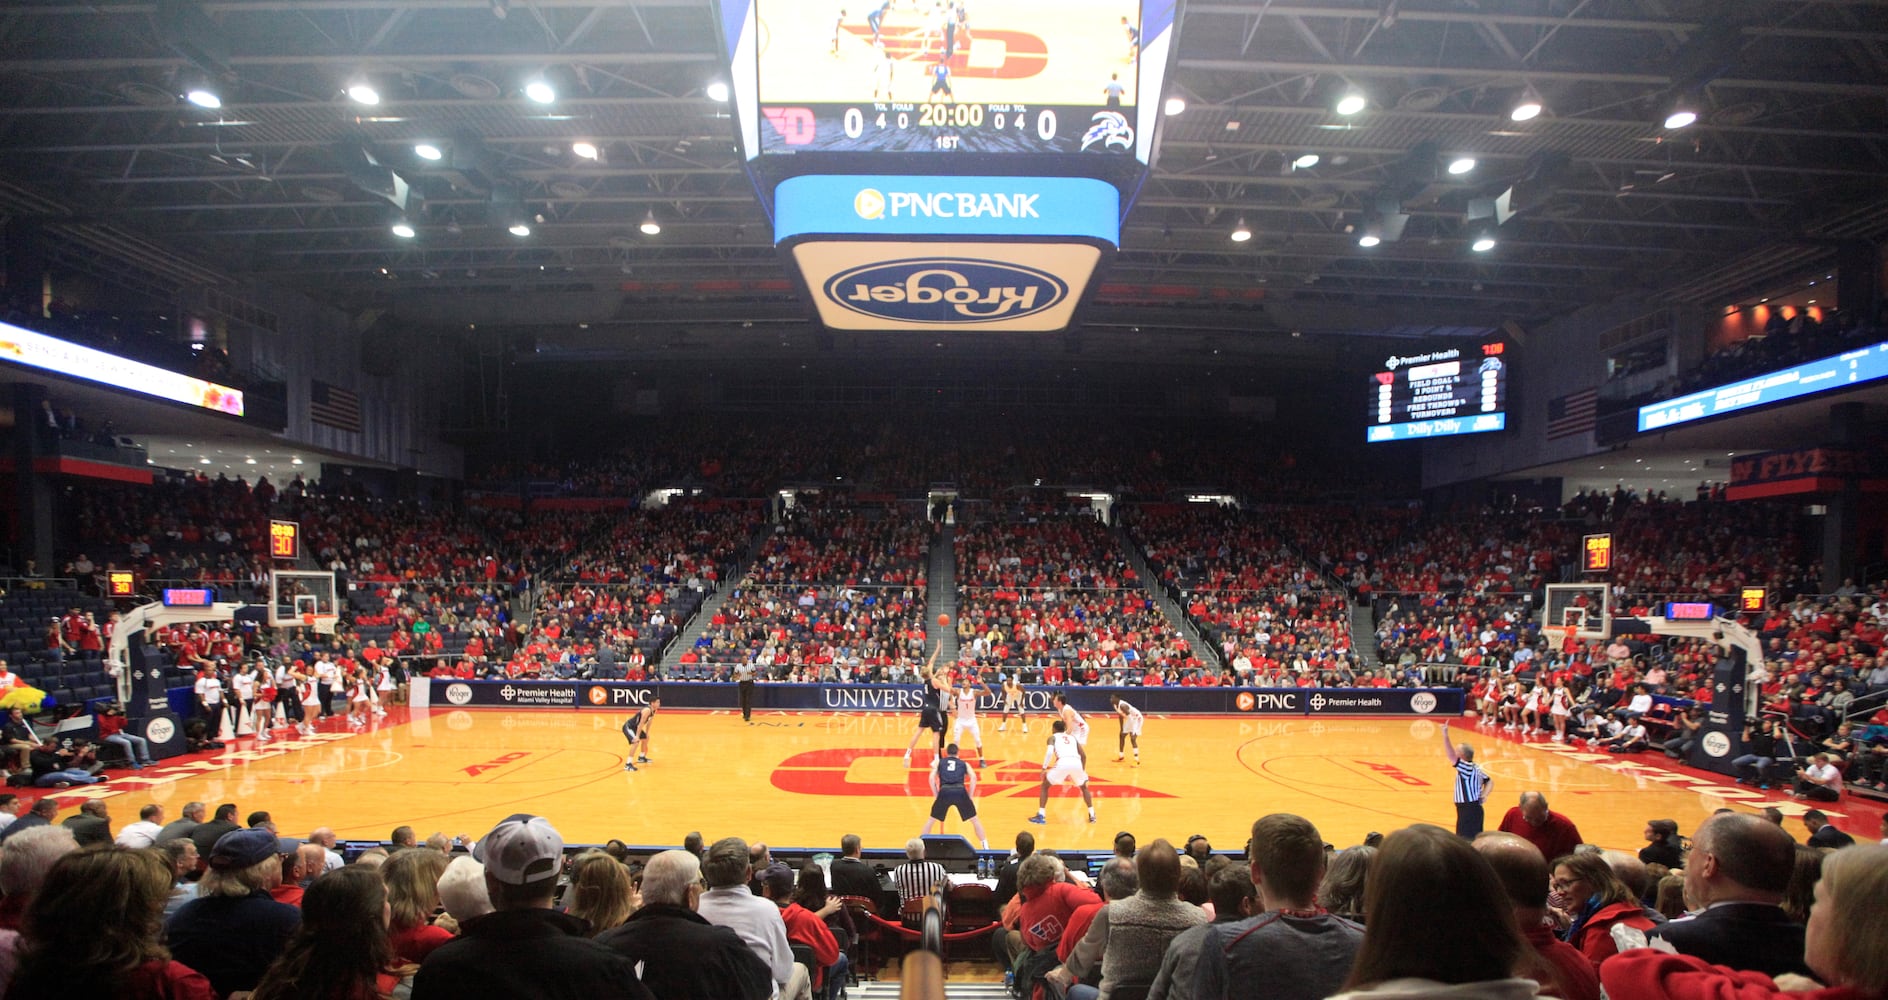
808	928
1554	834
1560	968
1048	901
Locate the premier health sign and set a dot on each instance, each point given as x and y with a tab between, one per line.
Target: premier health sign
931	253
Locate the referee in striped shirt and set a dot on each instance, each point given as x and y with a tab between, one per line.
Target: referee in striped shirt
1471	786
917	877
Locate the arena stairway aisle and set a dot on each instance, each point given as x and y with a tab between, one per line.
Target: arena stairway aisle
1363	634
941	596
686	636
1204	651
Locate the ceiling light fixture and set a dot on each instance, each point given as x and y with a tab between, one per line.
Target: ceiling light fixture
203	97
1240	231
540	91
1483	243
650	227
1369	239
519	229
587	150
404	230
1461	165
363	92
1351	103
428	151
717	91
1175	105
1305	162
1527	108
1681	112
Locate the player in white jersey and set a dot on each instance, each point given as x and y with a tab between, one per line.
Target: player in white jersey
1065	761
1012	703
882	72
965	715
1130	728
1076	725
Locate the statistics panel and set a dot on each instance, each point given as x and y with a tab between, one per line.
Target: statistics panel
909	76
1460	389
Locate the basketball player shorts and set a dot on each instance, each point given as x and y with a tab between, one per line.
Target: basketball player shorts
953	796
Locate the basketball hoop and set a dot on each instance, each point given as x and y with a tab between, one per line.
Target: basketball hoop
1560	636
309	619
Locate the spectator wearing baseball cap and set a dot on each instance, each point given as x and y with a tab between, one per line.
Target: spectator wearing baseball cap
523	947
232	931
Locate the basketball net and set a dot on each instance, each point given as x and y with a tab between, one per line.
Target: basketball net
1560	635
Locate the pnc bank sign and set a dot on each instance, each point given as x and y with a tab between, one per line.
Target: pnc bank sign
942	206
871	204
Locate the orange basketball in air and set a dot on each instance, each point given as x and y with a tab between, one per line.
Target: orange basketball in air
943	619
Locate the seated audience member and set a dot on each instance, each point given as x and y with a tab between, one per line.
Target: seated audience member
524	948
299	862
600	892
1048	900
207	834
95	931
1561	969
1117	880
342	948
1637	876
1823	833
41	814
144	832
1737	874
807	929
1687	730
25	861
188	819
852	876
182	855
1799	900
1845	947
1554	834
1594	899
1671	897
728	903
1342	891
1129	936
1234	898
1006	873
1292	949
91	825
1437	924
681	954
412	879
462	892
233	931
1661	847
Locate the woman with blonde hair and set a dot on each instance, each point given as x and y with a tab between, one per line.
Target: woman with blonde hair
94	930
1438	925
1594	899
412	878
1845	944
600	891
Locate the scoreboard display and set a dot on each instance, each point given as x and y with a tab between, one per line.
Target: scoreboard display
1460	389
939	76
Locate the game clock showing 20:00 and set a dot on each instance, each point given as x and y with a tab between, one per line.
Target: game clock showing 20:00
909	76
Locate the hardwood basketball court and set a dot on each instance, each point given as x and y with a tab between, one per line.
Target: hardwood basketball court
805	779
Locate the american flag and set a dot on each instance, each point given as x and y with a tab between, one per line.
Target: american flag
334	406
1574	413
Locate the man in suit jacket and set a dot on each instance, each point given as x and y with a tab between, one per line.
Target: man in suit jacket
851	876
1822	833
1739	869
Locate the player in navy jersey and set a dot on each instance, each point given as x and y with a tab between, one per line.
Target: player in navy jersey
932	685
954	783
636	731
875	19
941	81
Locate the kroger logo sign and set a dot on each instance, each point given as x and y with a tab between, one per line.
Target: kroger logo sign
945	290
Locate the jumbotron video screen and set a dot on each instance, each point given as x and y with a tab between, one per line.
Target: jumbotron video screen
912	76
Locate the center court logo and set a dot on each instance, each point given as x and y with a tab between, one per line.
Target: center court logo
459	694
948	290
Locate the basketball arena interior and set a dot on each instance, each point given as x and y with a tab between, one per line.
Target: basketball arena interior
626	449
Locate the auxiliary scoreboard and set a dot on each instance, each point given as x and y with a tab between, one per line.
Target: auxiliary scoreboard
1459	389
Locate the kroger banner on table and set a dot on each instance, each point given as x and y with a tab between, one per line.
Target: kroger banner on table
897	698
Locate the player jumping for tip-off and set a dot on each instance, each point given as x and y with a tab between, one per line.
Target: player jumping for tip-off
636	731
966	715
1065	761
1130	728
1012	703
875	19
930	705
